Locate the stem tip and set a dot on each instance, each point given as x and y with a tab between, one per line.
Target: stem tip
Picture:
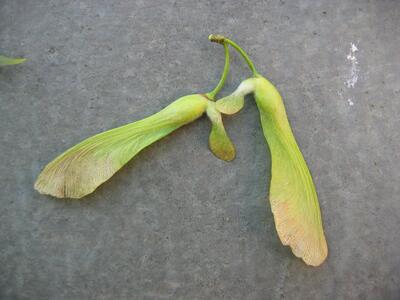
216	38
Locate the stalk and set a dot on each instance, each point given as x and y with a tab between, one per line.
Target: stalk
211	95
217	38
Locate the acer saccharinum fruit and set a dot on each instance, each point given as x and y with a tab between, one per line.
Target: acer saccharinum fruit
294	202
81	169
292	194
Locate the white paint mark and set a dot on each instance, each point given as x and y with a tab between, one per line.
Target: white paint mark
351	103
354	70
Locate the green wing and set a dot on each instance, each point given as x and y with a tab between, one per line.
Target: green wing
6	61
293	198
219	142
81	169
231	104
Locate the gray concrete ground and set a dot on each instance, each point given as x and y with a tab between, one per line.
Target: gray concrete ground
177	223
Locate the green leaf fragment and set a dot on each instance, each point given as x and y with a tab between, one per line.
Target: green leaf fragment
7	61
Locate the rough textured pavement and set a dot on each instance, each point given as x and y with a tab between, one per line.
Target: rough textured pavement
177	223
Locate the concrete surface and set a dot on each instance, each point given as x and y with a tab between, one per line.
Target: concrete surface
177	223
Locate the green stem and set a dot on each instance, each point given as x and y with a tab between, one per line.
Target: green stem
221	82
223	40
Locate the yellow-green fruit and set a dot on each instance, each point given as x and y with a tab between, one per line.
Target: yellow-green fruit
81	169
219	142
293	198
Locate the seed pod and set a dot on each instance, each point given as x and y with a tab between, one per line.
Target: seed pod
219	142
292	195
81	169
